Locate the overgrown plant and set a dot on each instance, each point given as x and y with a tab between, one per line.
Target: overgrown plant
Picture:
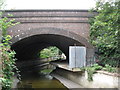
105	32
92	69
109	68
7	55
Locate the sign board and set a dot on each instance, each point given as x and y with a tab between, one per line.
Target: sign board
77	56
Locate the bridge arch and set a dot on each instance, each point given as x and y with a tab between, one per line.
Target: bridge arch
28	43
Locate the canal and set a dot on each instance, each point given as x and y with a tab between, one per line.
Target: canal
41	80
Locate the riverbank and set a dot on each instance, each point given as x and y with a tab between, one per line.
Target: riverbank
68	83
100	80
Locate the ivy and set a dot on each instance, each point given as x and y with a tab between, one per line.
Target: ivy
7	55
105	32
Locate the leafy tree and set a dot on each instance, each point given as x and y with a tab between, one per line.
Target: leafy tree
105	32
49	52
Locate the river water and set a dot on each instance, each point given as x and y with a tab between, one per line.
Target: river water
39	80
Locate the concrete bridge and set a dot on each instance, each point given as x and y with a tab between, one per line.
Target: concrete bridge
39	29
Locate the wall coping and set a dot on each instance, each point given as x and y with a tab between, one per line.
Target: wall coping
109	73
47	10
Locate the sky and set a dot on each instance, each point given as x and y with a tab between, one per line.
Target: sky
50	4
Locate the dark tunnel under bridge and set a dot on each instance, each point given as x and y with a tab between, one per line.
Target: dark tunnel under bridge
28	47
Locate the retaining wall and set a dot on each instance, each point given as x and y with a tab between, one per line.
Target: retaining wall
100	79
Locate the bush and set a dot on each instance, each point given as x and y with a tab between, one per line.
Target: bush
7	55
105	32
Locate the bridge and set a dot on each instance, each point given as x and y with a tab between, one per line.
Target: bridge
39	29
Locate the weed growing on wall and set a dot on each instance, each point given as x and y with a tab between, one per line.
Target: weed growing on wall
7	55
95	67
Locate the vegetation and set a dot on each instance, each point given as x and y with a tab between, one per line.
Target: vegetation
105	32
8	63
49	52
105	36
7	55
92	69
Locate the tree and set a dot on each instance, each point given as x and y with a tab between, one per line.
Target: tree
49	52
105	32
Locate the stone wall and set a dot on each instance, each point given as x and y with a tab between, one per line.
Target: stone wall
100	80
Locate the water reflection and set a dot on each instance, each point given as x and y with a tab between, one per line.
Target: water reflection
39	80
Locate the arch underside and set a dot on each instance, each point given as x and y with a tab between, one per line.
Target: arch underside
35	40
